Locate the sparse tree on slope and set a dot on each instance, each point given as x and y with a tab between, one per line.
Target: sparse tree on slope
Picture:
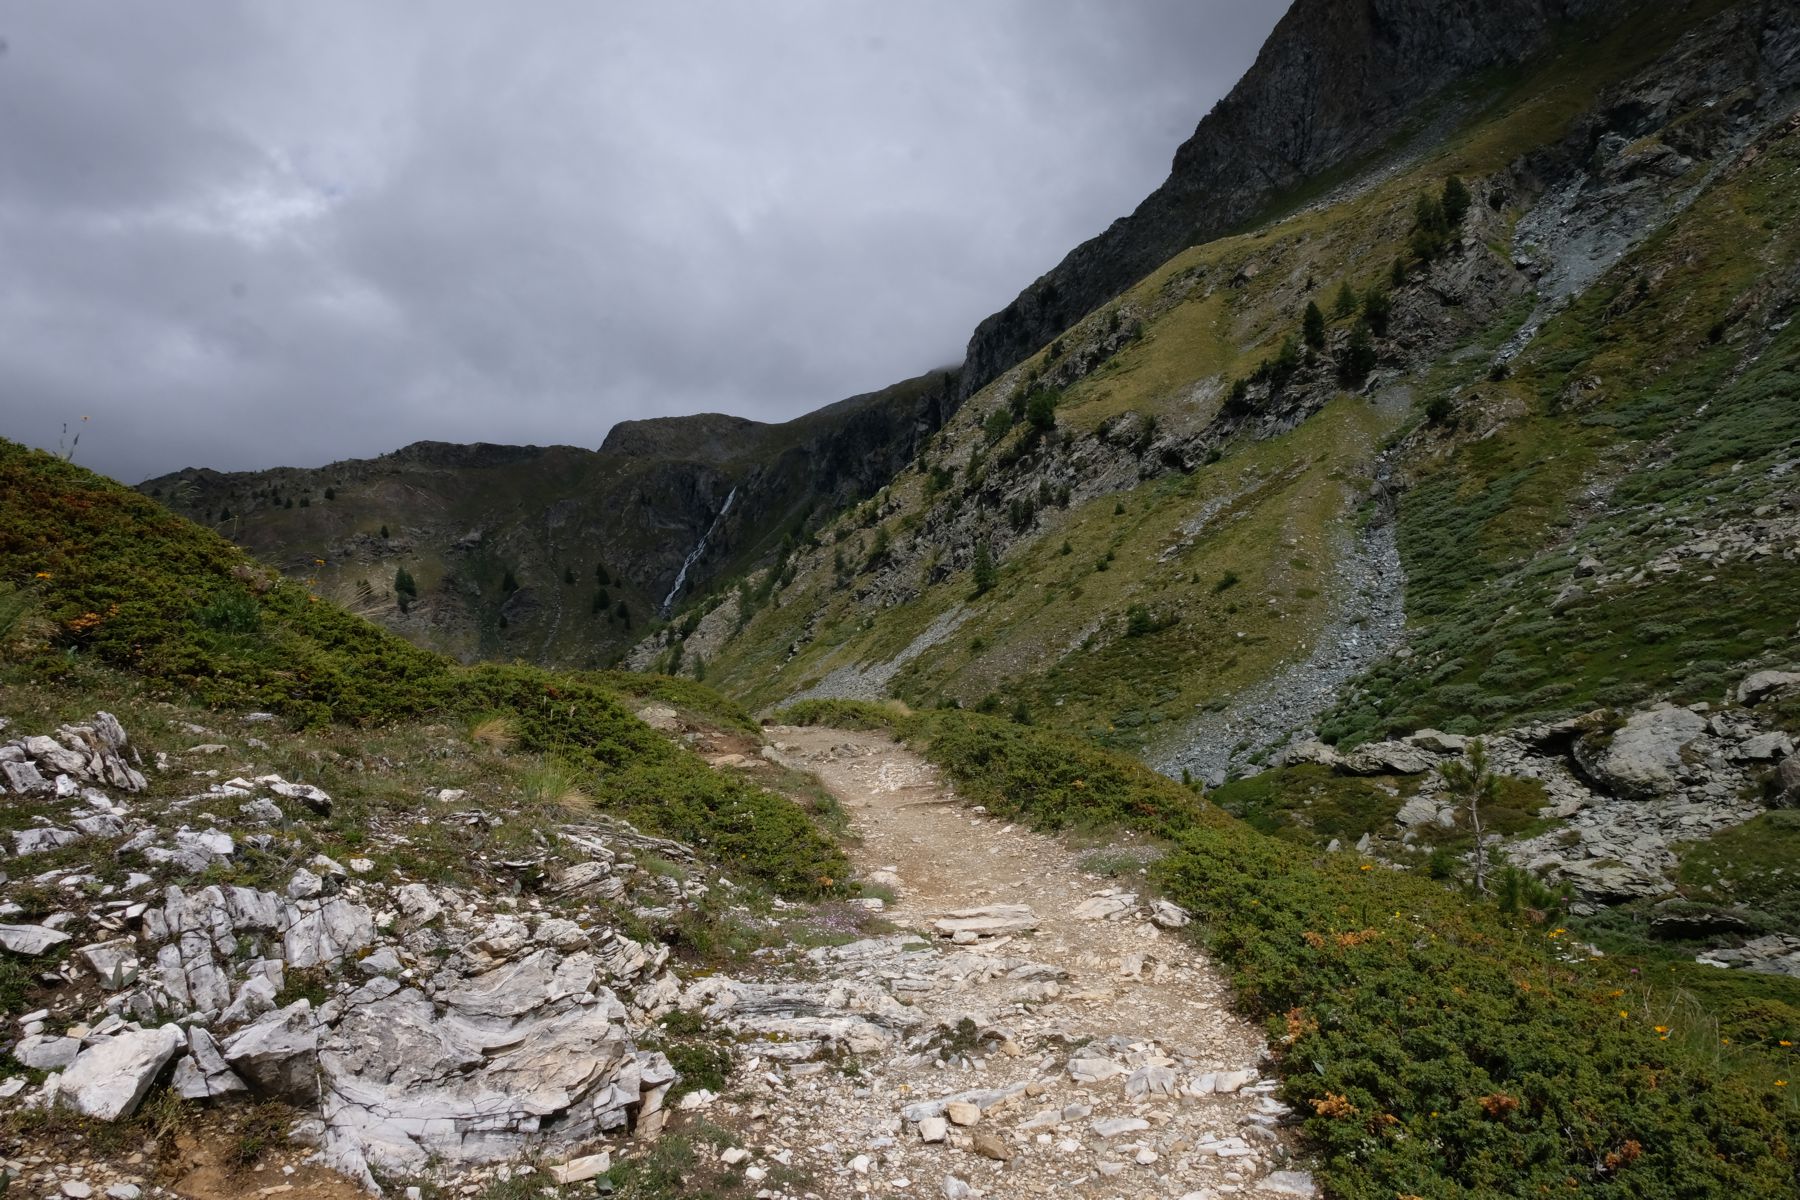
1312	326
1469	784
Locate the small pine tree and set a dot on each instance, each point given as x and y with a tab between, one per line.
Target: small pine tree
331	493
1455	202
1359	356
1287	361
508	583
404	584
1397	273
1470	785
1378	311
985	574
568	574
997	425
224	514
1312	326
602	603
623	613
288	503
1040	410
600	575
1431	229
1345	304
384	533
306	502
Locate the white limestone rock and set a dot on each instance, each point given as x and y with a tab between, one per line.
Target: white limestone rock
110	1077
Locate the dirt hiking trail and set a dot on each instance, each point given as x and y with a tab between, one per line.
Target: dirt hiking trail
1029	1026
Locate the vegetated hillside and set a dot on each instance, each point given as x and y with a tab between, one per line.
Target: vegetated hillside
1497	441
558	555
93	572
1190	519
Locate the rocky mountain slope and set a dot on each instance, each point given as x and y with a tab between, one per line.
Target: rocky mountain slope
1524	473
1333	85
559	554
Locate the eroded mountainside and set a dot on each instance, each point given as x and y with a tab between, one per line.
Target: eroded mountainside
559	554
1497	441
1334	83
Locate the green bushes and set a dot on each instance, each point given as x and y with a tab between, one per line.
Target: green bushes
1435	1047
119	579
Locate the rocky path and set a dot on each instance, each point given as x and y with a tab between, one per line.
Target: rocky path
1027	1029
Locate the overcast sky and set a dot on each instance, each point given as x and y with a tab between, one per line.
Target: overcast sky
253	234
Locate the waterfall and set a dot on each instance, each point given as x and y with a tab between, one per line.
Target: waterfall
694	555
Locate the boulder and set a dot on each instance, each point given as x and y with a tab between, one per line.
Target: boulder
1643	757
114	963
580	1170
1106	907
1756	686
29	940
278	1056
306	794
38	841
1387	758
993	919
1310	752
1170	915
203	1074
23	778
1763	747
1787	781
1438	742
45	1053
109	1078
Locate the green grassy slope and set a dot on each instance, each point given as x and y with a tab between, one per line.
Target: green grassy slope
94	571
1657	410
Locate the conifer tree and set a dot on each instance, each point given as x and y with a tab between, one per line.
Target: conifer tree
1455	202
1312	326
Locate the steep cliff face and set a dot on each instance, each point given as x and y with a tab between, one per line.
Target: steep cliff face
1335	81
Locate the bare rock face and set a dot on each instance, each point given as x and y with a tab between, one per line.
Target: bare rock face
524	1056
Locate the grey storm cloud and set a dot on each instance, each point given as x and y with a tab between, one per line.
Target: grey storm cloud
249	234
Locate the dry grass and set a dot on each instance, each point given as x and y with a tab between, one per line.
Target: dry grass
496	731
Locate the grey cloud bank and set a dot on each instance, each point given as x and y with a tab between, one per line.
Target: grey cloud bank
244	235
